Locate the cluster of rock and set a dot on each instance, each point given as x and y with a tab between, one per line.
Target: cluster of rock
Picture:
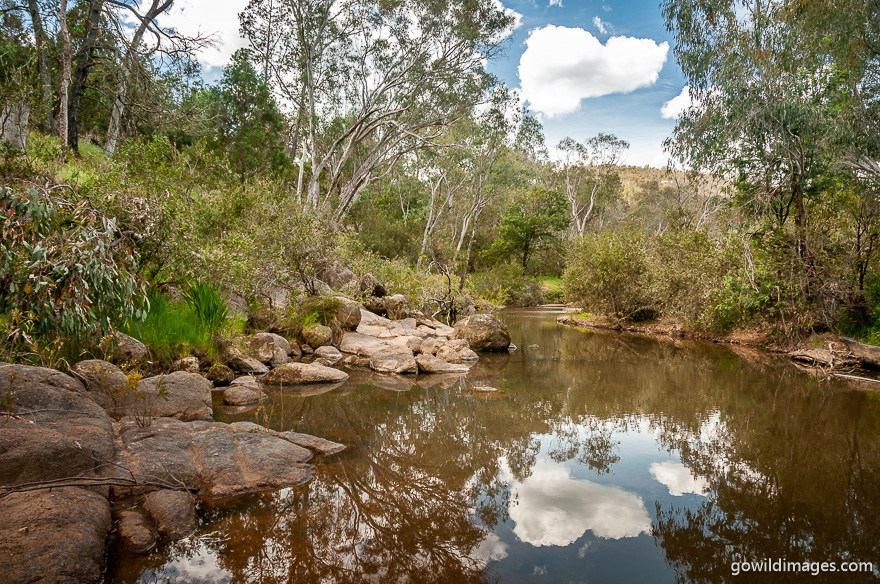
133	454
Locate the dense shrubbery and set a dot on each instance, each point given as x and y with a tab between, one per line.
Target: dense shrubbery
64	268
507	285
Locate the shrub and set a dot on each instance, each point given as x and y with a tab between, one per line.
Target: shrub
608	272
507	284
64	270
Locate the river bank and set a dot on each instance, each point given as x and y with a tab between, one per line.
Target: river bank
822	355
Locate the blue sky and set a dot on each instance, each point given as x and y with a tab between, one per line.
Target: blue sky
585	66
603	74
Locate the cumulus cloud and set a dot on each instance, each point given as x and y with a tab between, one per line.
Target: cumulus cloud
678	478
555	509
561	66
555	3
491	549
675	107
517	17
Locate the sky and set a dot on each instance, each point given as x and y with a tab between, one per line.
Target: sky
582	66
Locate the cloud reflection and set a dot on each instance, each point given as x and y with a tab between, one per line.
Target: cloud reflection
678	478
552	508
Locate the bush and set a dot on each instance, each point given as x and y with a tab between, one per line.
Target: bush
608	272
507	285
63	268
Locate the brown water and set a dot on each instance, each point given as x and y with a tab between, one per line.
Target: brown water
604	458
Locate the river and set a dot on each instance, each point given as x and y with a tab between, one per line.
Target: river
602	458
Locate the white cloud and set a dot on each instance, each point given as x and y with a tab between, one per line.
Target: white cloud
678	478
602	26
675	107
561	66
555	3
491	549
517	17
606	8
552	508
218	17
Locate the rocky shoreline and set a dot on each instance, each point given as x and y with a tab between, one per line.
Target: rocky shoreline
100	453
838	356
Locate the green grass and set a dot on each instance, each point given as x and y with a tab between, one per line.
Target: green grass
173	330
552	288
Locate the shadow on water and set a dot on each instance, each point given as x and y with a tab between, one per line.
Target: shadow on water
603	458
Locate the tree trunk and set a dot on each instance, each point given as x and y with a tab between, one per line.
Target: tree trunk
467	259
81	73
46	118
63	114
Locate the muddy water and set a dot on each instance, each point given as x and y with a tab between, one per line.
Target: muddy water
602	458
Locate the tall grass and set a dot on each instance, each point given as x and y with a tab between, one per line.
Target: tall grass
210	306
172	330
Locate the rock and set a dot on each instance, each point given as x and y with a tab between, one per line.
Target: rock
414	344
396	307
57	433
278	298
246	381
295	350
317	335
430	346
456	354
353	343
261	319
392	359
384	328
238	362
211	457
374	305
219	374
431	364
238	305
820	357
370	285
305	349
297	373
483	332
482	388
328	353
348	313
269	348
51	536
355	361
239	395
136	530
313	443
187	396
337	276
174	513
104	381
128	349
188	364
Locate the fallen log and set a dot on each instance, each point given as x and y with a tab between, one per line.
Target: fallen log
868	355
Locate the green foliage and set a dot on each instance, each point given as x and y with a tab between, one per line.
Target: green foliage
64	270
609	272
507	285
208	303
532	221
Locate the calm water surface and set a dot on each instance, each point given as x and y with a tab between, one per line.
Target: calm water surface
604	458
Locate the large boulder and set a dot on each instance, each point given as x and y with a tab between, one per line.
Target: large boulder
57	433
269	348
348	313
301	373
210	457
431	364
128	349
317	335
328	354
371	286
353	343
51	536
483	332
104	381
392	359
181	395
337	276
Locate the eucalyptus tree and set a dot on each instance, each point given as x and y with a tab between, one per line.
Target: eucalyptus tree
373	81
589	175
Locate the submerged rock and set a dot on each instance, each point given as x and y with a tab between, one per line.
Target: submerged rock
313	443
